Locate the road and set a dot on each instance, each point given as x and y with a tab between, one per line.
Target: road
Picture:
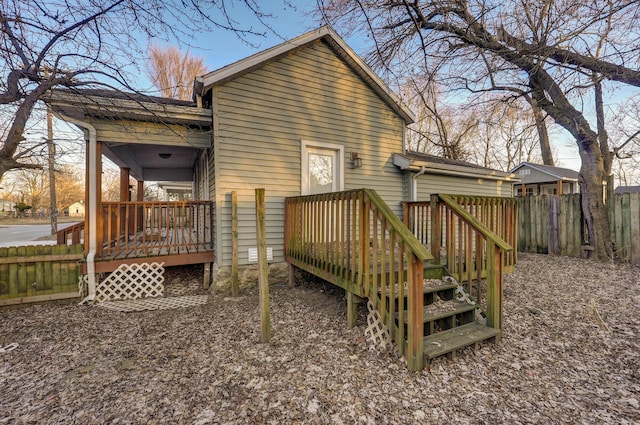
25	234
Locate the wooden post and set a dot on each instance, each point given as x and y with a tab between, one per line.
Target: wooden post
436	229
352	309
100	236
559	190
234	244
263	267
292	276
140	198
494	285
415	307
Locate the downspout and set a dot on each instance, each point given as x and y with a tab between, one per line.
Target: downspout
93	206
414	188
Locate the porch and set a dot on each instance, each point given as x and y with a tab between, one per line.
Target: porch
173	233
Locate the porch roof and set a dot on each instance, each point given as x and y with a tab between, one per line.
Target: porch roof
432	164
156	138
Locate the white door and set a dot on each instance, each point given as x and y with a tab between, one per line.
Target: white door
321	168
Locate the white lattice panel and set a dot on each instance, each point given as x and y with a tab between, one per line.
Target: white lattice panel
376	332
132	281
156	303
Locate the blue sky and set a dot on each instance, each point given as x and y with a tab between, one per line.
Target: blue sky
221	47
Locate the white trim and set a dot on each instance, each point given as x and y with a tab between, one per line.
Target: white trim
304	163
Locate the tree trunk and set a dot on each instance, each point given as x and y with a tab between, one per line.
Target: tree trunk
543	134
593	207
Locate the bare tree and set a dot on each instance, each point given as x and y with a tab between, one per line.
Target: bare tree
546	48
440	128
89	43
172	72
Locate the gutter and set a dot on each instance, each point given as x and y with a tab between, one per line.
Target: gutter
93	205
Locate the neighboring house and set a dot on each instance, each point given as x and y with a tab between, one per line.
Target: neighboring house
627	189
7	208
432	174
307	116
177	191
537	179
75	210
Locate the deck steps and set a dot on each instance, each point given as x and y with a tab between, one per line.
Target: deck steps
449	341
449	323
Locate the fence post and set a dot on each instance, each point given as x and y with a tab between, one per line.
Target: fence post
263	266
234	244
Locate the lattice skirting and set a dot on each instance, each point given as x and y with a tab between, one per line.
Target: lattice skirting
155	303
132	281
376	332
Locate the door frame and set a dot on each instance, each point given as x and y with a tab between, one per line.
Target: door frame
338	150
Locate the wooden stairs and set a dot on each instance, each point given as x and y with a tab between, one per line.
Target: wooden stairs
451	322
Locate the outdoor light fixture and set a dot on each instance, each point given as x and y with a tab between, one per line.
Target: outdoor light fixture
356	161
165	155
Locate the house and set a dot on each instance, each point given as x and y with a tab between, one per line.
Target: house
432	174
177	191
626	189
75	210
537	179
306	117
7	208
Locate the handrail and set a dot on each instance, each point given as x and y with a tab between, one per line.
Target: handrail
477	225
354	240
414	244
489	258
74	231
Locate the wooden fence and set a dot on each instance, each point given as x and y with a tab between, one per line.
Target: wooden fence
39	273
553	224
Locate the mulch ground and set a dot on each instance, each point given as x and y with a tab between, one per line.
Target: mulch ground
570	354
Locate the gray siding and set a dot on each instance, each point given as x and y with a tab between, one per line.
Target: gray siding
534	176
429	184
260	121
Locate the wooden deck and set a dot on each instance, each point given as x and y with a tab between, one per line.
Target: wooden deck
174	233
355	241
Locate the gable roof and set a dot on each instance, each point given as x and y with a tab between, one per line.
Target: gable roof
204	83
418	161
558	173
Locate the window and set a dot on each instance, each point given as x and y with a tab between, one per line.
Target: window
322	168
524	172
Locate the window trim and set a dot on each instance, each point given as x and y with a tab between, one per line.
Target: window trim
304	164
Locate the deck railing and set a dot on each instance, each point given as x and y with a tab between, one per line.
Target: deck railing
355	241
71	235
476	235
154	228
428	219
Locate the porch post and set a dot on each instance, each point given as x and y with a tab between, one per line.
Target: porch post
98	220
125	195
126	224
140	198
559	191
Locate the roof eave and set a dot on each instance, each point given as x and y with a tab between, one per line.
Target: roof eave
412	165
80	106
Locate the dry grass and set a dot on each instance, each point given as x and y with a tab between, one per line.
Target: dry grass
570	354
